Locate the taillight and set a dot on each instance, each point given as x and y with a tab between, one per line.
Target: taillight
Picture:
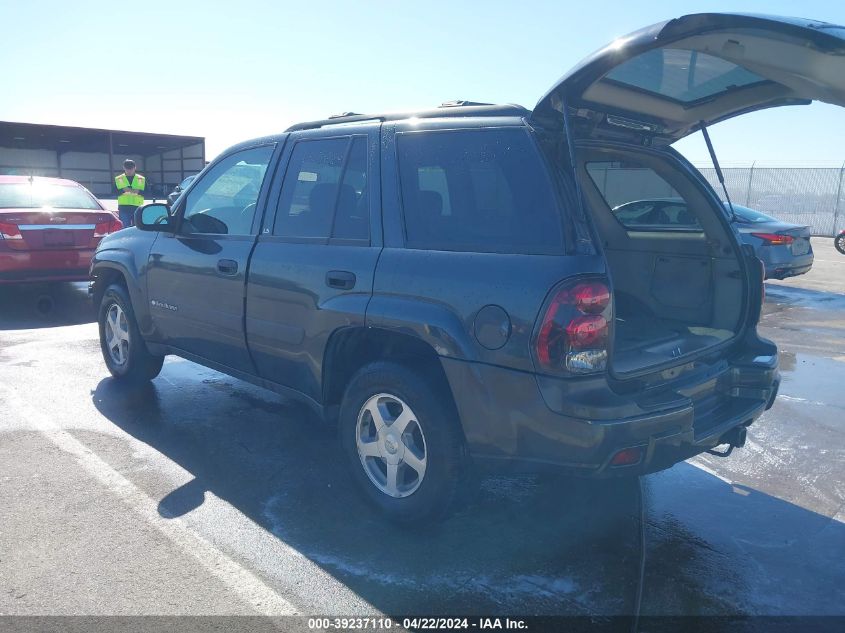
773	239
587	331
109	226
9	231
591	298
574	333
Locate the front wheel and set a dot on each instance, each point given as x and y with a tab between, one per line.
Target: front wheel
124	351
403	442
839	243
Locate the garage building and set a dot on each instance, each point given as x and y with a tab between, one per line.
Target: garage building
92	156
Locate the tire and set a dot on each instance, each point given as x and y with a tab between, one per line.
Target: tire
390	388
129	360
839	243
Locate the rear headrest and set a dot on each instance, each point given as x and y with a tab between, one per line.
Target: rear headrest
321	199
346	202
685	217
431	203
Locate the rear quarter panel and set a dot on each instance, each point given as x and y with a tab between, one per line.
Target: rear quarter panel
437	296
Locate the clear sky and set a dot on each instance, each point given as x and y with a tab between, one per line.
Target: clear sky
234	70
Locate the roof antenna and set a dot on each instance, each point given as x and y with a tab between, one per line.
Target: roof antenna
719	174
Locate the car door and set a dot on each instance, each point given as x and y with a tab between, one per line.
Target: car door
313	266
197	275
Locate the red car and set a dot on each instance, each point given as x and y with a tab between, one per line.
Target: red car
49	228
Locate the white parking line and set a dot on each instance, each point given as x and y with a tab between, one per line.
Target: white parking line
243	582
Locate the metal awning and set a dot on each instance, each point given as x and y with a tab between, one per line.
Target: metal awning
80	139
164	158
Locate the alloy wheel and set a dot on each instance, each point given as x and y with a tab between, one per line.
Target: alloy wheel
391	445
116	329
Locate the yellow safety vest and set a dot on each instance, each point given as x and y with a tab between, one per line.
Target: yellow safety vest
138	182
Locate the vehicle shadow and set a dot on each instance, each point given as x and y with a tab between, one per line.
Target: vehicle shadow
39	305
719	547
525	544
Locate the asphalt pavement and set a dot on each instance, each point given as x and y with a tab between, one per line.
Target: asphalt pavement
201	494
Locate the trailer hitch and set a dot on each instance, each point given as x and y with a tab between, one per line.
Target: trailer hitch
735	438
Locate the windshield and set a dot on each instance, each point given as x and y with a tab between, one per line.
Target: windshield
750	216
24	195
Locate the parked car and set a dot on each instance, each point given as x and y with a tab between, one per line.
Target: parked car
783	248
49	229
839	241
451	287
178	189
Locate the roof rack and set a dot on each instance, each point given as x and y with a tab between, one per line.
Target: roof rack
446	109
344	114
460	103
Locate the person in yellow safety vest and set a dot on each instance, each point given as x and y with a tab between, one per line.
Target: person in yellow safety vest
131	186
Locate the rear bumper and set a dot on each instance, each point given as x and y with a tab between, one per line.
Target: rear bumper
790	266
782	272
46	265
516	421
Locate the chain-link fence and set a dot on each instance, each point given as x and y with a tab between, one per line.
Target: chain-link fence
812	196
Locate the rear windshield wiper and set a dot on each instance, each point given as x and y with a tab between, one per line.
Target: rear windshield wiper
719	174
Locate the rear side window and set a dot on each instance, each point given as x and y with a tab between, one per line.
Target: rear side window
483	191
325	192
640	198
351	220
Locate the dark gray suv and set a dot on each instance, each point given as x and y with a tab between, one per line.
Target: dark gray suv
451	286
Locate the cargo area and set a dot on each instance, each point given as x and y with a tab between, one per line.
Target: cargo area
677	281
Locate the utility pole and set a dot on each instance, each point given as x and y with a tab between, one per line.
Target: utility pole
837	203
748	191
110	173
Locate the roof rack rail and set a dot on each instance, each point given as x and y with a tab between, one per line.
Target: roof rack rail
447	109
336	119
460	103
344	115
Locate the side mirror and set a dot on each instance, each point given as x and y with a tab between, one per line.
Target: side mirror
153	217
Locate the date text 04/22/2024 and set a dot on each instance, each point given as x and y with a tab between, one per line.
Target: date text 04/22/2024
417	623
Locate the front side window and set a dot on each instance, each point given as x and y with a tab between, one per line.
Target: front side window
325	191
640	198
477	191
224	201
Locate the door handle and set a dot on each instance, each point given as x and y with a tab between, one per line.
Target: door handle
227	266
342	279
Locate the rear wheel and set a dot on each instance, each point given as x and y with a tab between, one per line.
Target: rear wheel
124	351
403	443
839	243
